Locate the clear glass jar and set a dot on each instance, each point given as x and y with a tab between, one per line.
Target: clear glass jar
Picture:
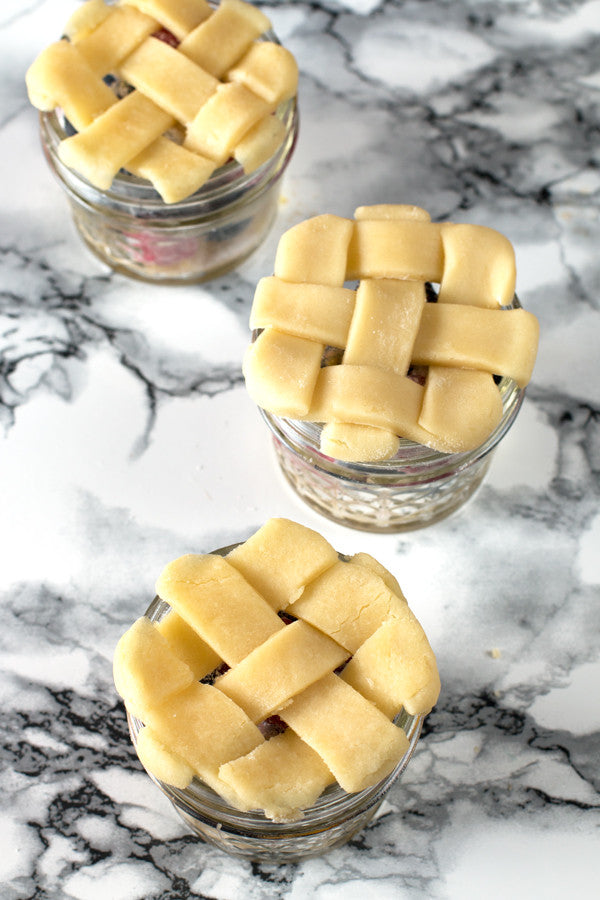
417	487
132	229
331	821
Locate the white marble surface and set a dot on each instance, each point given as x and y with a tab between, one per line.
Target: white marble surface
127	439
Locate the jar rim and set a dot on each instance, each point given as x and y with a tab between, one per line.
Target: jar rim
127	190
302	435
332	807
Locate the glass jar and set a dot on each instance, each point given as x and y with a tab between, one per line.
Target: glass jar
132	229
417	487
331	821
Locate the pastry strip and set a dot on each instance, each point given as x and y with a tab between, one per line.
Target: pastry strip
283	370
348	602
318	312
283	666
356	741
280	558
212	597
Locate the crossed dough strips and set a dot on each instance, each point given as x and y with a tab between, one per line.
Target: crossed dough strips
225	610
385	327
217	91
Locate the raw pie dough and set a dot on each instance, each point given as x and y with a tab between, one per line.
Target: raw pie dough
215	92
384	329
339	666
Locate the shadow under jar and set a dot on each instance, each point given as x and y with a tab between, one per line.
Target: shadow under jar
415	488
333	819
131	228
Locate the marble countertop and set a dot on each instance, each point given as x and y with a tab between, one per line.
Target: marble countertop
127	439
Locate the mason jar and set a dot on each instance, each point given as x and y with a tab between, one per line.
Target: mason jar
130	227
331	821
415	488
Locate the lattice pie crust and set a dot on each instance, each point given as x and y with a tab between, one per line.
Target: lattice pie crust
345	659
385	329
194	105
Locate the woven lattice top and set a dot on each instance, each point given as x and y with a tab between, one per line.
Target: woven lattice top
345	658
205	89
406	367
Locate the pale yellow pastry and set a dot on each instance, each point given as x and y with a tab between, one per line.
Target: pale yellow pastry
114	138
387	328
462	405
318	312
389	211
282	776
259	143
162	762
356	443
146	669
348	601
479	266
187	645
85	19
283	370
385	324
206	94
298	555
180	17
369	395
202	726
315	251
158	70
221	123
212	597
274	672
223	37
395	248
268	70
61	76
326	645
369	562
359	744
394	668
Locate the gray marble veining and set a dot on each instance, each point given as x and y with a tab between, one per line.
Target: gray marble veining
128	439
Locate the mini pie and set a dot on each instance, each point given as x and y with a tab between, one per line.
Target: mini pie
386	333
204	89
335	669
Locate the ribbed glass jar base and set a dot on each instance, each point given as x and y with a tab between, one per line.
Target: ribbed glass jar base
378	507
416	488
